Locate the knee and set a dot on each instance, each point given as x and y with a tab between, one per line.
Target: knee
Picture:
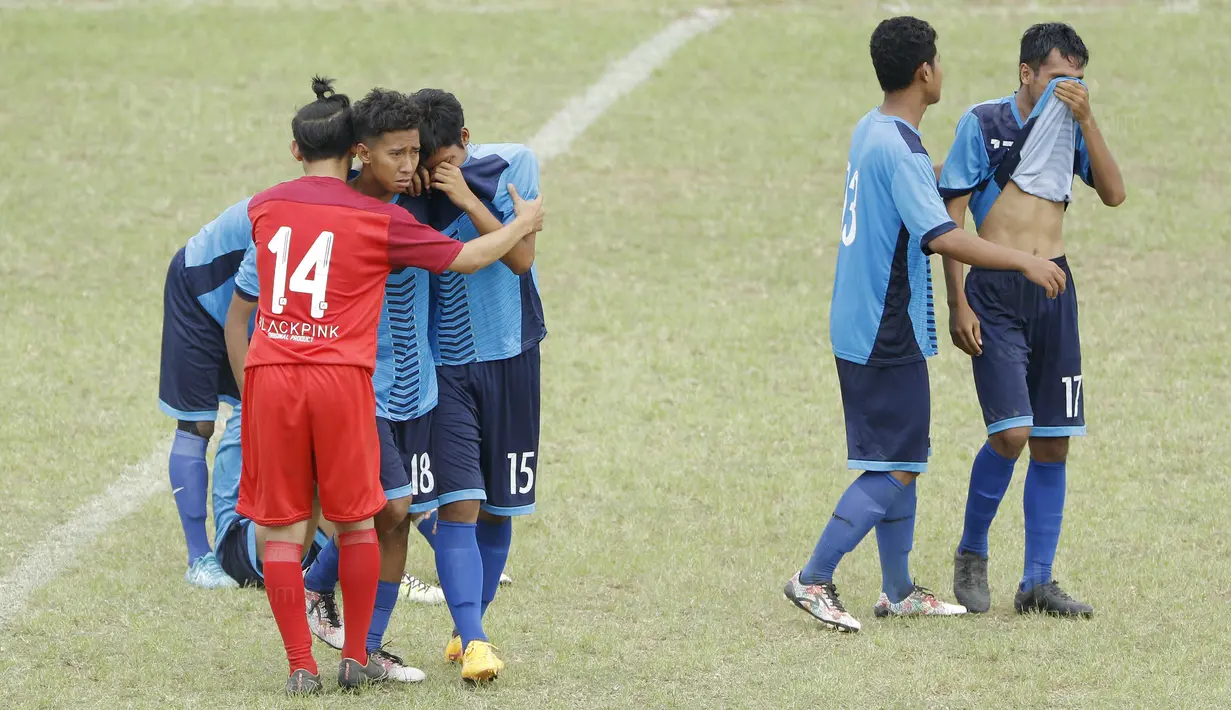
463	511
1010	442
393	515
205	430
1049	449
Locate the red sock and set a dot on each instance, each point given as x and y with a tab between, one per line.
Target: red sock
359	573
284	587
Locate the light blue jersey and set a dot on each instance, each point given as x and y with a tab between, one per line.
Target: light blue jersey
212	257
881	313
493	314
990	136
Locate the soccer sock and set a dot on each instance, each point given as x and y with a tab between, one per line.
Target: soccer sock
427	528
386	599
460	568
284	588
190	486
359	573
989	479
494	540
1044	506
861	507
322	576
895	536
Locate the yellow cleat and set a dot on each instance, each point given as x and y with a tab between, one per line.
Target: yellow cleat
480	663
453	650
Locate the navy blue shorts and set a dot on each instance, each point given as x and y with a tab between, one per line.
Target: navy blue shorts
237	554
888	416
485	433
195	373
405	465
1029	374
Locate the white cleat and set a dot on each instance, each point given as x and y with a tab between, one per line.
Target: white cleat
413	589
920	602
323	619
396	668
505	579
206	573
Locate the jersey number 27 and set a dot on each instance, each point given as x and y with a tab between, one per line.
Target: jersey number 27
315	262
848	206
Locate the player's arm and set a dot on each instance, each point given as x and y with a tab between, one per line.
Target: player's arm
523	172
448	179
1103	174
239	314
966	166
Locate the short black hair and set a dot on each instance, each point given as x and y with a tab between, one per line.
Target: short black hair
442	120
324	128
899	45
383	111
1041	39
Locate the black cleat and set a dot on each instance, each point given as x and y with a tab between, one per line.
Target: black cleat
302	682
352	675
1050	599
970	582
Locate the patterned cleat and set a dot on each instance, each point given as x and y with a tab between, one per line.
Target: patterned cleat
413	589
1050	599
970	582
479	663
821	601
505	580
303	682
396	668
453	649
206	573
352	675
920	602
323	618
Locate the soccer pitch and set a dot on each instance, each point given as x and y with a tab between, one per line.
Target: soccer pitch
692	442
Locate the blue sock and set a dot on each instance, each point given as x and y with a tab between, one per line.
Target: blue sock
427	528
460	568
322	576
989	479
386	599
1044	507
860	508
494	541
190	486
895	536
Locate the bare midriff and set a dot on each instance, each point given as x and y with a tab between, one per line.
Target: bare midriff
1026	223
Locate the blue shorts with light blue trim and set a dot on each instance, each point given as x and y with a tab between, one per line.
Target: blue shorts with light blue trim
888	416
405	464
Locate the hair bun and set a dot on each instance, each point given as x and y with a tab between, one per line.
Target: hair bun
322	87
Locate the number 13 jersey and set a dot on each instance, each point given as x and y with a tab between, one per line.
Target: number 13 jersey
322	252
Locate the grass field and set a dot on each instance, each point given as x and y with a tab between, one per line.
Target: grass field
692	431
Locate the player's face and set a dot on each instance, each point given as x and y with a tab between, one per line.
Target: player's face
933	75
1055	65
393	159
455	154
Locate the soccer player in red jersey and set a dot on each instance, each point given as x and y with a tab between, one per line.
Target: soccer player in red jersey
309	427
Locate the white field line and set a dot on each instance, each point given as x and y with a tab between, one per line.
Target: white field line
138	483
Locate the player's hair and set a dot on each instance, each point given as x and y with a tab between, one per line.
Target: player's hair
324	128
1041	39
383	111
899	45
442	121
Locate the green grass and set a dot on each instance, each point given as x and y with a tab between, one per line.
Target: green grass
692	432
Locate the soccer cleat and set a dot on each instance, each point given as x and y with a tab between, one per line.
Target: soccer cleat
1050	599
413	589
479	663
453	649
920	602
970	582
821	601
353	675
303	682
206	573
505	580
395	667
323	618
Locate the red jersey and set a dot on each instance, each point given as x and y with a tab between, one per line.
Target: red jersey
323	252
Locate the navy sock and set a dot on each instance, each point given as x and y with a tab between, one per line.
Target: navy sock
427	528
460	569
989	479
322	576
895	536
494	541
190	486
1044	506
860	508
386	599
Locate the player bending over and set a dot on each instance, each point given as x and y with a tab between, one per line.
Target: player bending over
323	252
1013	163
882	327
